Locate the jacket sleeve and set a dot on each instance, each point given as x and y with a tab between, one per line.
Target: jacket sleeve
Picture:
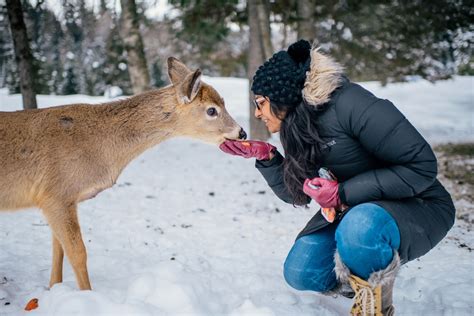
383	130
272	171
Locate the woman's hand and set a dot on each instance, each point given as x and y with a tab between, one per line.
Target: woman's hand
324	192
249	149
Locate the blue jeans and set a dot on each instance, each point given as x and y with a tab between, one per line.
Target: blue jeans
365	239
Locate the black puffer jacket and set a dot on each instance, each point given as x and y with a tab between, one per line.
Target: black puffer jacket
377	156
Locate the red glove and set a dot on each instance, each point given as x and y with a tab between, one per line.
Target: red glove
248	149
323	191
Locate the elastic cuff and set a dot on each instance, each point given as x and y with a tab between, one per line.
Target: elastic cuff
277	159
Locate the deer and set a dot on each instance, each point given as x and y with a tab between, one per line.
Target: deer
54	158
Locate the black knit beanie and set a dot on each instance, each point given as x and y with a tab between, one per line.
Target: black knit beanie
282	77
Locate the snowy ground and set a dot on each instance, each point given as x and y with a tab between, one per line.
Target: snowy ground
188	230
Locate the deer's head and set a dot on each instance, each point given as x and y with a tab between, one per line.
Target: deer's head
201	110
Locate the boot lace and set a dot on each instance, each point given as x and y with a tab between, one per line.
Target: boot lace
365	299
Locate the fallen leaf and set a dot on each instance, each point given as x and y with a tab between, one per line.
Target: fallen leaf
32	304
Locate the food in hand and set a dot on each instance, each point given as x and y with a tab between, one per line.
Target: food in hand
329	213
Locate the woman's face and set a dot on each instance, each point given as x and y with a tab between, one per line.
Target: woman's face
263	112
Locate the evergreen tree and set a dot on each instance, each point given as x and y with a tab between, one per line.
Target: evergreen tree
46	40
114	70
374	40
389	40
157	75
70	85
204	23
8	73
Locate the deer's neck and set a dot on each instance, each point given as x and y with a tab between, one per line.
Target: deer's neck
138	123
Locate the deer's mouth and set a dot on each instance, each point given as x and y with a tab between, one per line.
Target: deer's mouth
235	135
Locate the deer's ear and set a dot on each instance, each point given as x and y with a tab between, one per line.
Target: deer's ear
177	71
189	88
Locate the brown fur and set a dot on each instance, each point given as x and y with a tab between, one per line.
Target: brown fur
376	278
56	157
324	76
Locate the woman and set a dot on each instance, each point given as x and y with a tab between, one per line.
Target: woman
390	207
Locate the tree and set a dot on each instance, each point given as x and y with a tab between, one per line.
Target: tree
70	81
137	65
210	34
258	52
7	58
157	74
390	40
23	56
82	51
204	23
306	23
46	37
263	18
114	70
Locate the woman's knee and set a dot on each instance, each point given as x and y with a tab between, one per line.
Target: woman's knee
309	266
366	239
366	225
319	280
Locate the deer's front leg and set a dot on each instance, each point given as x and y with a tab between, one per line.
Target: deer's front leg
65	226
57	267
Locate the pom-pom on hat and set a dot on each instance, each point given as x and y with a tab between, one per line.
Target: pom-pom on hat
282	77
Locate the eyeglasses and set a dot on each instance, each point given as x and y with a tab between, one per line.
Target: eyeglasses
259	102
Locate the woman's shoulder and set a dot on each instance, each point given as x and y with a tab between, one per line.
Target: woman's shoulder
351	92
352	97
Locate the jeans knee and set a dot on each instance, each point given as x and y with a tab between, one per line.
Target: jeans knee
304	280
310	264
367	225
366	239
293	276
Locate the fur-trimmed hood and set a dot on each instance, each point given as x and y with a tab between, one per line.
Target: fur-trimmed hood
323	77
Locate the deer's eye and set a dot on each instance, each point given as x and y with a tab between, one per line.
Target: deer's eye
212	112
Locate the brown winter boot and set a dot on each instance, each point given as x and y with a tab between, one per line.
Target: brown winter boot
374	296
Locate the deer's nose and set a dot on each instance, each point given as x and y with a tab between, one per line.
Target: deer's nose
242	134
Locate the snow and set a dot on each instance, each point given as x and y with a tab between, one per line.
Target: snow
189	230
442	112
113	92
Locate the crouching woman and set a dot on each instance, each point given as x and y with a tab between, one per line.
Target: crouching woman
390	208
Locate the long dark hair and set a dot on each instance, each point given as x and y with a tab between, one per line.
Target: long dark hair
302	144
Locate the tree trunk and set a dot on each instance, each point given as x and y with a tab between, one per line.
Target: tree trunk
306	28
23	56
284	39
137	67
263	12
102	7
255	58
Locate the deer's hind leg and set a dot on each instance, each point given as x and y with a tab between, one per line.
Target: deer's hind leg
65	226
57	267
